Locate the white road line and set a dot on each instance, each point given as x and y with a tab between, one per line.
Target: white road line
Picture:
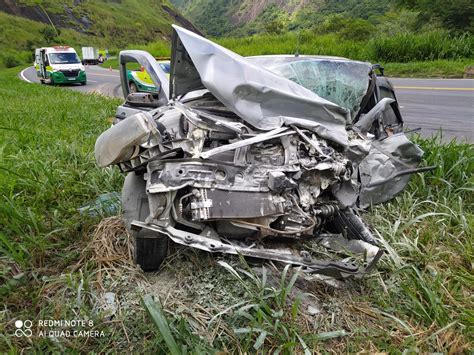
23	75
91	81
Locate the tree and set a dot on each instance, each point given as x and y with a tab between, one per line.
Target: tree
49	34
457	15
274	27
357	30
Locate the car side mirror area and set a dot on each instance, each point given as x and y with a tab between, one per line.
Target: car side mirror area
152	68
380	68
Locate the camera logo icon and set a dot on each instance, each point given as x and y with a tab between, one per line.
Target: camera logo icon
23	328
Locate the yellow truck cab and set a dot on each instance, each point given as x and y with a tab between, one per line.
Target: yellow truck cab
59	65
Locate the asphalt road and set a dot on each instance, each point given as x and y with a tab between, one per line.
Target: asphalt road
432	104
99	80
429	104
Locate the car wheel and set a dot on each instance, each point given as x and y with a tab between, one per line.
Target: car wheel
133	87
150	248
84	83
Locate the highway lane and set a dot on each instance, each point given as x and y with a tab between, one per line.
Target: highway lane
432	104
429	104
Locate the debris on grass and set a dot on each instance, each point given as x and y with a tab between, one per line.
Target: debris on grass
107	204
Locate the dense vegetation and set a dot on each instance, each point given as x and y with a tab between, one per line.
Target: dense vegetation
245	17
19	37
418	300
400	47
456	15
105	24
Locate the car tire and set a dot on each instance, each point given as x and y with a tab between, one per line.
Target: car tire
150	248
133	87
84	83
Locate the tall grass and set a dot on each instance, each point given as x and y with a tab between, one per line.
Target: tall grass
407	47
47	169
429	231
402	47
304	42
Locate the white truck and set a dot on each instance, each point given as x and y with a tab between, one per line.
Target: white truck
59	65
90	55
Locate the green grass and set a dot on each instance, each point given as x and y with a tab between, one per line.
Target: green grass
430	69
113	24
420	298
21	36
47	166
399	48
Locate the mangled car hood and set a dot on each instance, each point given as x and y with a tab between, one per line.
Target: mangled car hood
247	155
260	97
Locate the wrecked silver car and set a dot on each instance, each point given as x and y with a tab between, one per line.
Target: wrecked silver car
265	157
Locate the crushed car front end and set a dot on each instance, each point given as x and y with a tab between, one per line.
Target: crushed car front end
266	157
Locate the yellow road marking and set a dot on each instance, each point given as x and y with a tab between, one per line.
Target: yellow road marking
433	88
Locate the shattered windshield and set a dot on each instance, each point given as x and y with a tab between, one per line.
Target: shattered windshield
64	58
340	81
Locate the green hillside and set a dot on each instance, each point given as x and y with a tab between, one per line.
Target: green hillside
20	36
25	25
247	17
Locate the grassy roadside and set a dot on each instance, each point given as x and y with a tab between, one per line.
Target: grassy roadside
448	69
54	266
47	171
